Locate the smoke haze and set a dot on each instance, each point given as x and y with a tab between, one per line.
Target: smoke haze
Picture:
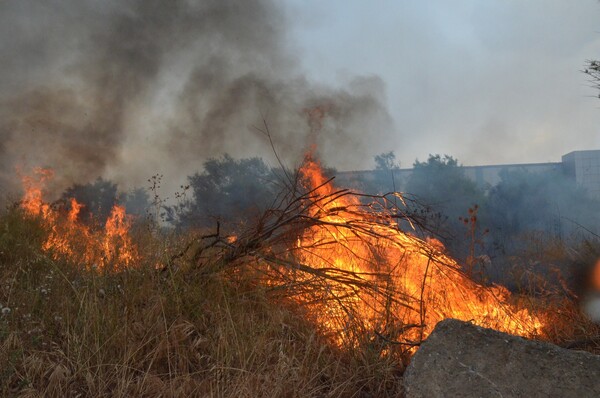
127	89
488	82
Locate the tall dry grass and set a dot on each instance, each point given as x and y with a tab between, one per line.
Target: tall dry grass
69	331
200	316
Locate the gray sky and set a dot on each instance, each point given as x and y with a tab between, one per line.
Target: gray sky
494	81
126	89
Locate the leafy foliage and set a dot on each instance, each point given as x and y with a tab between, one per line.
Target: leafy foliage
440	183
136	201
386	161
592	69
227	190
98	199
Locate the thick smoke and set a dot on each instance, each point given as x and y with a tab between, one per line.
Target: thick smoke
126	89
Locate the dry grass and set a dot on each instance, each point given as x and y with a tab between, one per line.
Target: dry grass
208	315
554	274
140	332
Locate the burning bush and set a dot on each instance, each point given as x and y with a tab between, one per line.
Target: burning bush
219	302
347	262
69	331
360	278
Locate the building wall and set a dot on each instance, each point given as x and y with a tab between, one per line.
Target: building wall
583	166
489	176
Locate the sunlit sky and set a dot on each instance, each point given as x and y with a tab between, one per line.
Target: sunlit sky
488	82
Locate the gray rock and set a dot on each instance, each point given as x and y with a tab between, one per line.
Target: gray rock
463	360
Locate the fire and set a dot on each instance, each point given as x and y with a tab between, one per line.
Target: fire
33	202
356	271
397	285
69	238
596	276
117	244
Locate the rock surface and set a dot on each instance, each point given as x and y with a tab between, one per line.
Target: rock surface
463	360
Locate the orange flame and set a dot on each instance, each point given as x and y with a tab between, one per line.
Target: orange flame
418	284
595	280
117	243
33	202
68	238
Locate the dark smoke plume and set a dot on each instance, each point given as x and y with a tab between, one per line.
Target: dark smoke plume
126	89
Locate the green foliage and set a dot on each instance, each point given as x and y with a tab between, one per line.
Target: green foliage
227	190
98	199
441	180
441	185
136	201
593	71
386	161
384	179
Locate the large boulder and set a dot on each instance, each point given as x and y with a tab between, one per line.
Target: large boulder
460	359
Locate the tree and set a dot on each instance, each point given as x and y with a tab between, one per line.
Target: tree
441	181
446	194
227	190
593	71
136	201
98	199
382	180
386	161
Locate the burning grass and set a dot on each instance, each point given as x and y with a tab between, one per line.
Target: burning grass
72	331
361	279
96	246
324	295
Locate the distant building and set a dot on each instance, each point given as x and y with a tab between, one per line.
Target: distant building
582	166
489	176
